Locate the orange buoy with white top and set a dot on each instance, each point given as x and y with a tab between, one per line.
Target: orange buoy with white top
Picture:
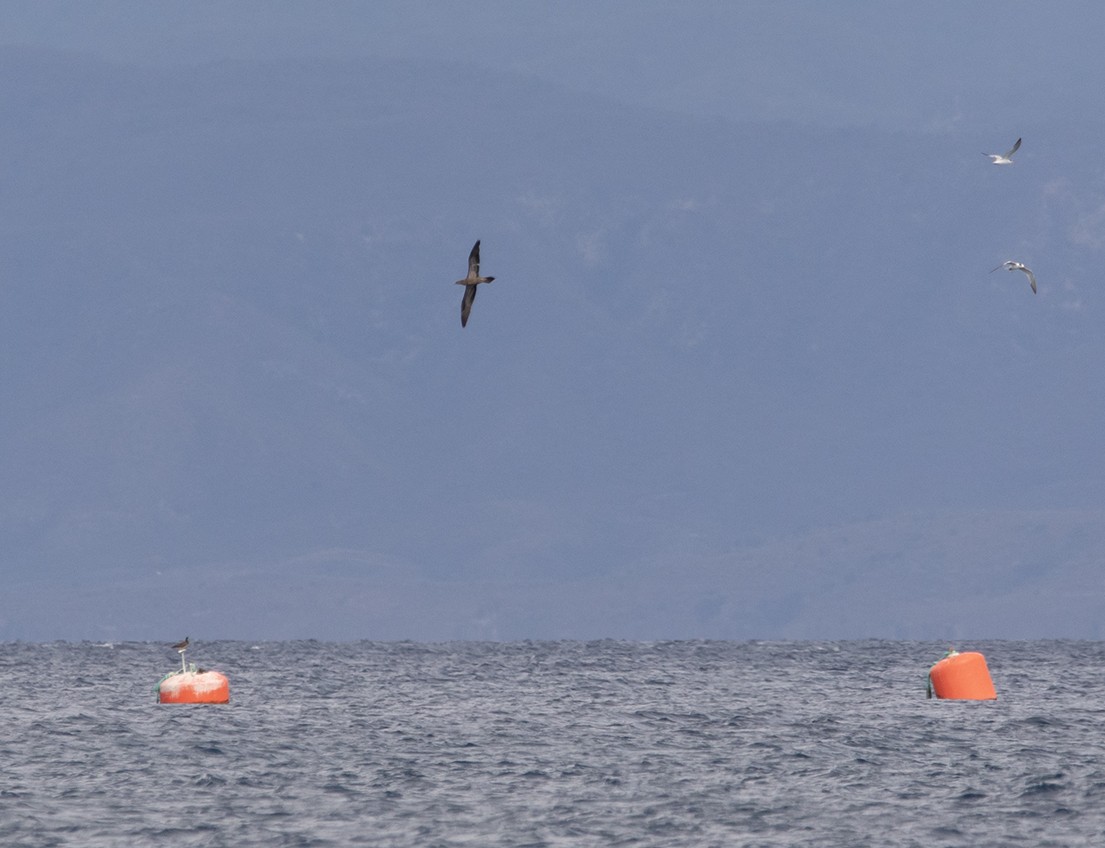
191	685
962	677
194	687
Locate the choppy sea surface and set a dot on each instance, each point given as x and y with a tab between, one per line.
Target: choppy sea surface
552	744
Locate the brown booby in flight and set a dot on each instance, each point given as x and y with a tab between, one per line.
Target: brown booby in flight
470	282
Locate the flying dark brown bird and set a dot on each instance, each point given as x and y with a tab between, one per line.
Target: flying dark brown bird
470	282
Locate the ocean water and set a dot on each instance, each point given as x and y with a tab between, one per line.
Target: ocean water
552	744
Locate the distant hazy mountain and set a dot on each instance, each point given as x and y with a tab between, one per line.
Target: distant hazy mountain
714	357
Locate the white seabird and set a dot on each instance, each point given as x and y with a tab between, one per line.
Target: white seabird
1010	265
1004	158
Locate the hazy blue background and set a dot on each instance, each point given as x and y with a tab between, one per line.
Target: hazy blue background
743	373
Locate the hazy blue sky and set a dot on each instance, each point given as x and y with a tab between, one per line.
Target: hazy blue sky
903	65
744	371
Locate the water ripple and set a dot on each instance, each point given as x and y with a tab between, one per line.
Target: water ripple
552	744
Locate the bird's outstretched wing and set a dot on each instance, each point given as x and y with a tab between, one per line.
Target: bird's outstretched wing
1015	148
466	304
1031	279
474	261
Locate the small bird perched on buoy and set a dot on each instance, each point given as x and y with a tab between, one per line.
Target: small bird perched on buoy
1004	158
1010	265
470	282
180	648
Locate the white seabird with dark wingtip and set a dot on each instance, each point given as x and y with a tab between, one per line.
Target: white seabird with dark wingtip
470	282
1010	265
1004	158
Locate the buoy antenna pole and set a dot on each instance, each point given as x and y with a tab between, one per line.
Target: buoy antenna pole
183	668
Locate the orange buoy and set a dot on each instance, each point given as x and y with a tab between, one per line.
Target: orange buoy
194	687
963	677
